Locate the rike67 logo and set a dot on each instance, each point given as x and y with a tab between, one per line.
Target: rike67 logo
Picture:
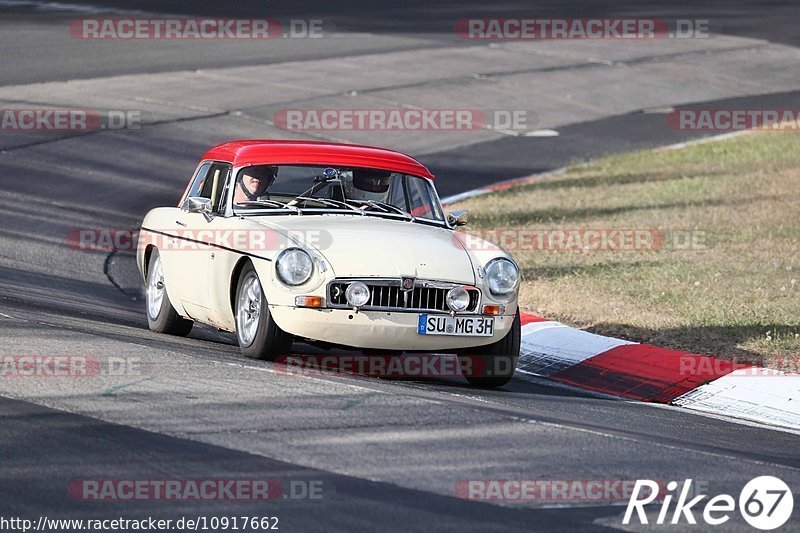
765	503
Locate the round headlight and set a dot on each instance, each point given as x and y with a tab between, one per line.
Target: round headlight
502	276
357	294
457	299
294	266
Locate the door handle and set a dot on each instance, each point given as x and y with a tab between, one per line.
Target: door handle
178	222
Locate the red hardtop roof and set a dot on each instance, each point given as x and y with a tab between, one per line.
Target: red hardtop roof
259	152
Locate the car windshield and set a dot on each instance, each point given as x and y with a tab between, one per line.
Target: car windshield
299	189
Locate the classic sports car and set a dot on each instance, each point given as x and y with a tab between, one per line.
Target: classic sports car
330	244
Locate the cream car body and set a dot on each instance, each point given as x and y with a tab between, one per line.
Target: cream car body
203	254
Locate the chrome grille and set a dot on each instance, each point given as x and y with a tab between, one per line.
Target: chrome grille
388	295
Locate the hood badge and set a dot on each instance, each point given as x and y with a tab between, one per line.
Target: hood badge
407	285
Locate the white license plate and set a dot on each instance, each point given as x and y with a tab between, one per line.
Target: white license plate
464	326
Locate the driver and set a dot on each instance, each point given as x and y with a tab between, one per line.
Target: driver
368	184
253	183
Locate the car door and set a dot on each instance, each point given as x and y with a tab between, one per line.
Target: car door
176	261
196	236
231	241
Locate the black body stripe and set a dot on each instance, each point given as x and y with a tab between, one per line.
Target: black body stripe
248	254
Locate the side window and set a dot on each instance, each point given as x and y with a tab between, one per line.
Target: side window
215	183
397	196
199	180
221	198
419	194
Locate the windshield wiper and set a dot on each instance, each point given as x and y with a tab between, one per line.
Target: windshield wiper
376	204
320	182
327	201
272	203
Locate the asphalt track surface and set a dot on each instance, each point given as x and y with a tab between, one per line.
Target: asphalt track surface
388	454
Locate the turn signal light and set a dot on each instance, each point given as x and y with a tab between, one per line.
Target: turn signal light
493	309
309	301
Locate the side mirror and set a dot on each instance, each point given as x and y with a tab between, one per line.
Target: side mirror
198	204
458	218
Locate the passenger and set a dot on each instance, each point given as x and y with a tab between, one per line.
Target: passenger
368	184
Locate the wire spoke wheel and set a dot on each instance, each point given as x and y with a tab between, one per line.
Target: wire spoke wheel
155	288
248	310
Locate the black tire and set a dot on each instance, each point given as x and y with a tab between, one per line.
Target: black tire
493	365
166	320
269	341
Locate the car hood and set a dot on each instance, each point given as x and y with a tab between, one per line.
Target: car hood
370	246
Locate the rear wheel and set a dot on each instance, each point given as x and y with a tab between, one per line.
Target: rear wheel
493	365
161	316
258	335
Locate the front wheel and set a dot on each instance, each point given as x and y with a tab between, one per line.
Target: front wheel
493	365
258	335
161	316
